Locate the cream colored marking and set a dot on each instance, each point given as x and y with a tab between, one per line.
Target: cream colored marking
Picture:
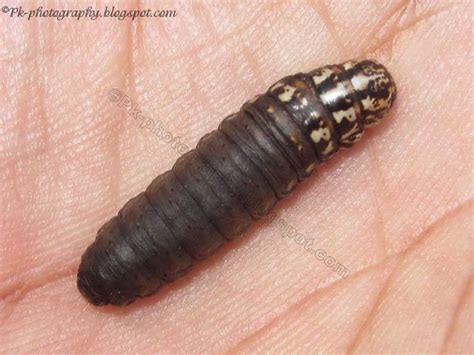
295	142
254	99
349	64
315	115
348	114
357	108
371	121
310	168
320	133
381	103
291	185
287	94
322	75
270	109
353	130
328	149
333	94
360	82
231	116
357	137
277	85
368	104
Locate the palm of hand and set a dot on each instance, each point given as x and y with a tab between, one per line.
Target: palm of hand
395	209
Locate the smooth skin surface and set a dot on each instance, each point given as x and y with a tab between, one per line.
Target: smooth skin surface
396	209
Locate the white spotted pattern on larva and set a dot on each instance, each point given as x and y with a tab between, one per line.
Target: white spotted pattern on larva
321	133
349	115
287	94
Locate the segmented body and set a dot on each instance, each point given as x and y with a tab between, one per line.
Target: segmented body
235	175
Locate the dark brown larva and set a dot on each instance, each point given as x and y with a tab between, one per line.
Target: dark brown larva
235	175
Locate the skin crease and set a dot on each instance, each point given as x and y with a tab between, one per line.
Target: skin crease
396	209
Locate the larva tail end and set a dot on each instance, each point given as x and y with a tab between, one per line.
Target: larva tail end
87	291
98	285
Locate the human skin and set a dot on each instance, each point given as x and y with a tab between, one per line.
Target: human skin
396	209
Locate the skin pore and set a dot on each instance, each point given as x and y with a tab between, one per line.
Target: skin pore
395	209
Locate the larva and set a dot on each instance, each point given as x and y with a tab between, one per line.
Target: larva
234	176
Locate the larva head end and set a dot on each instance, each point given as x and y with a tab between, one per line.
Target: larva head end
374	86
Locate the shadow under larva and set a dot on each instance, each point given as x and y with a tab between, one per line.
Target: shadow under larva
234	176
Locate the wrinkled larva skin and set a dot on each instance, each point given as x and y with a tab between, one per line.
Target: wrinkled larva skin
235	175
